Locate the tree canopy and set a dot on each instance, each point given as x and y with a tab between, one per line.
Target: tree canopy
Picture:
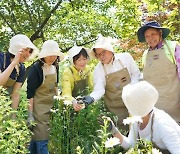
79	22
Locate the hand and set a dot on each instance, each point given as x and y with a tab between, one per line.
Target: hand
77	106
17	57
106	121
30	120
88	100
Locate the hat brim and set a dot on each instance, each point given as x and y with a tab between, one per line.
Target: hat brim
60	54
140	33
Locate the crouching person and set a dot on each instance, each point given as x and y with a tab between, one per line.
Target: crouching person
156	126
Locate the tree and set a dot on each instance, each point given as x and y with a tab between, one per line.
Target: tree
79	22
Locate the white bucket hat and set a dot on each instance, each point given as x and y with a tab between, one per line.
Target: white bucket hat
103	43
75	50
50	48
20	41
139	98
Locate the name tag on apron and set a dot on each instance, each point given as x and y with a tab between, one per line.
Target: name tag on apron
155	57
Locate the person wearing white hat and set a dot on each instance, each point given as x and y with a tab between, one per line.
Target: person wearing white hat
161	63
111	74
157	126
41	87
12	69
77	78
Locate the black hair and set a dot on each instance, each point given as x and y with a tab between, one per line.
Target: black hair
11	55
83	52
42	61
31	51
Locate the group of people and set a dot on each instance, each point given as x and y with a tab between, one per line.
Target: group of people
116	77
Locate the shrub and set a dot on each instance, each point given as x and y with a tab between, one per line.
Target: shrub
14	134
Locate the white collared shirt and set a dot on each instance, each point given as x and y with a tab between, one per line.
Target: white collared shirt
99	74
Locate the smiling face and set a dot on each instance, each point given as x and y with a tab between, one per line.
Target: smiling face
81	62
26	53
152	37
103	55
49	60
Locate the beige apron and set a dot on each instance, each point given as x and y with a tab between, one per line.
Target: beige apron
162	74
80	86
113	91
9	85
43	102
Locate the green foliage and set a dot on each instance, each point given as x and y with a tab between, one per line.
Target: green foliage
79	22
141	147
73	22
14	134
70	129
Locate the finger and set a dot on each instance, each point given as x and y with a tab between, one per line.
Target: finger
77	107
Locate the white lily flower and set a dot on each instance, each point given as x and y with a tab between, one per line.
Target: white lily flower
58	97
131	120
67	102
53	111
156	151
111	142
78	148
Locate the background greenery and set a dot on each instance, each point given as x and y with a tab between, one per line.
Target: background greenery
72	22
79	21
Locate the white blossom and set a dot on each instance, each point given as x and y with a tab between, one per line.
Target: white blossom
156	151
131	120
54	110
58	97
67	102
111	142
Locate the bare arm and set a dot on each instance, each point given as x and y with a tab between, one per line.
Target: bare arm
119	136
15	96
30	105
5	75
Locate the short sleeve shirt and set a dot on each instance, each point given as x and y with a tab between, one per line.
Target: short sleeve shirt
5	62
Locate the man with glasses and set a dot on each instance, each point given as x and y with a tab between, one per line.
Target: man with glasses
111	74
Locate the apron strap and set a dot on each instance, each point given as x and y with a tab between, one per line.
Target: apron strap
105	71
170	52
4	65
152	122
85	75
121	63
72	73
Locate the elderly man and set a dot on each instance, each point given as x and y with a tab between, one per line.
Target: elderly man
111	74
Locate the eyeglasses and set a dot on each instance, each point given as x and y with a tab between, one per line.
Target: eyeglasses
102	53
